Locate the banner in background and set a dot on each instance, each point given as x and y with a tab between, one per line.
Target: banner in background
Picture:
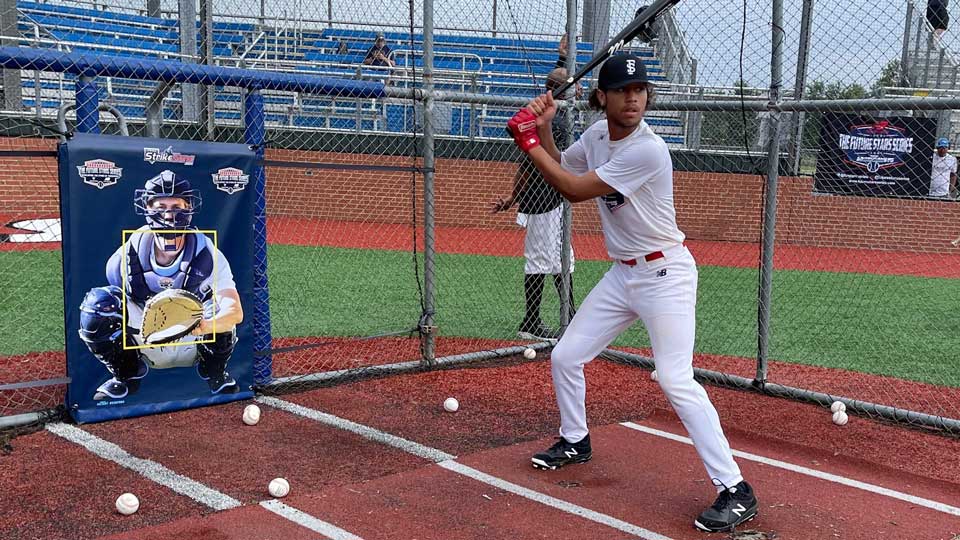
141	216
888	157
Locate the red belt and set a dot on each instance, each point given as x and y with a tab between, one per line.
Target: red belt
648	257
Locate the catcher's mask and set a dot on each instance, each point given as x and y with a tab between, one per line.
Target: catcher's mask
101	317
167	184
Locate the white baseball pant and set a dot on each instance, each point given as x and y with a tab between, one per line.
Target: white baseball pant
663	294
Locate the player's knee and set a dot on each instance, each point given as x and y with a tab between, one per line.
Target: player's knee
566	354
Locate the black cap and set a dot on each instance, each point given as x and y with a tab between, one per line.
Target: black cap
620	70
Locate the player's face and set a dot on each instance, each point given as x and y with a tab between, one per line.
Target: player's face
626	106
942	151
169	207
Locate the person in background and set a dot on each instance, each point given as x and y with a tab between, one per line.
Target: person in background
943	176
379	53
938	16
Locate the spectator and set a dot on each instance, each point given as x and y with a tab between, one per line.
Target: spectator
342	47
943	176
379	53
937	16
540	212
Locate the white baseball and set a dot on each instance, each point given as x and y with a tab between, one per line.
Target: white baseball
279	487
653	375
838	406
529	353
251	415
840	418
451	404
128	504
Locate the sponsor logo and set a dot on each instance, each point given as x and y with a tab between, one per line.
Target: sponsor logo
230	180
613	200
662	273
570	453
167	155
739	510
165	282
99	173
875	146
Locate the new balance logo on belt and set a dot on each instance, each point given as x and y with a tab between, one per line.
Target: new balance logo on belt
661	273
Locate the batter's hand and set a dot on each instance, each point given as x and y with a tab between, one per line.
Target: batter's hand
544	108
501	205
523	127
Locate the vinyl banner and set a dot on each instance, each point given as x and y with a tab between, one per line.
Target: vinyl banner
890	157
158	277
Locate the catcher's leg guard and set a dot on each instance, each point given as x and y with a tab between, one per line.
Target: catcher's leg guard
212	366
126	367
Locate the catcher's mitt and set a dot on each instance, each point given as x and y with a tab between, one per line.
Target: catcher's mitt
170	315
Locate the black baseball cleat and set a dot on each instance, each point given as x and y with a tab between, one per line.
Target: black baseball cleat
223	384
733	506
536	331
111	389
562	453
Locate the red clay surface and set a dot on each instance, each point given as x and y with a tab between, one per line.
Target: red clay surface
507	412
246	523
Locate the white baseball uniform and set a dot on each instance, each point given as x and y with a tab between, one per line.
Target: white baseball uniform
940	173
653	278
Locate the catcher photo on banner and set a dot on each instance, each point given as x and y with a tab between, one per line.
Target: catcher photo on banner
157	257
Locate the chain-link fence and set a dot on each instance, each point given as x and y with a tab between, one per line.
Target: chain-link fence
403	229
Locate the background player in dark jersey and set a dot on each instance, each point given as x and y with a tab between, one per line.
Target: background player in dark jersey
540	211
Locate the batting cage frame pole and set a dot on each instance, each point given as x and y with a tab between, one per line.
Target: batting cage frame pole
770	196
427	334
566	235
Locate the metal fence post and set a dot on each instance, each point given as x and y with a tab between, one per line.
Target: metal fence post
770	202
427	334
88	105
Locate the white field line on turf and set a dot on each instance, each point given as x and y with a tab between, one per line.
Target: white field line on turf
306	520
912	499
447	462
185	486
409	447
150	469
547	500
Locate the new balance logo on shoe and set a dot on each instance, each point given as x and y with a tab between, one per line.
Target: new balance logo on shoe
739	510
734	505
571	452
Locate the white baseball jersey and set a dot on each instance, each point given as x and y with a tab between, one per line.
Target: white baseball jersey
639	218
940	175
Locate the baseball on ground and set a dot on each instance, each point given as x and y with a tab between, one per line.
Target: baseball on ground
451	404
653	375
529	353
127	504
840	418
251	415
279	487
838	406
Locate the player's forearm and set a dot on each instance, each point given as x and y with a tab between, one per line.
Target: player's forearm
229	315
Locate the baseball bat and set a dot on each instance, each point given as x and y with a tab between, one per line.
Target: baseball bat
625	36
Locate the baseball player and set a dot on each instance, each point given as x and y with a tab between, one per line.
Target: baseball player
627	168
157	260
540	212
943	174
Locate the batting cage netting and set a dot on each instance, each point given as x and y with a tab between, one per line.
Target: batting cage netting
398	228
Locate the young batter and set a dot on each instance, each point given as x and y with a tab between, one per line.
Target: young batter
627	168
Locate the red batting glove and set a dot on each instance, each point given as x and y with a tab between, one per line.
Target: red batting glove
523	127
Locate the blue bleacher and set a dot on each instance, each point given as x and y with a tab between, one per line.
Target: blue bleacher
506	66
